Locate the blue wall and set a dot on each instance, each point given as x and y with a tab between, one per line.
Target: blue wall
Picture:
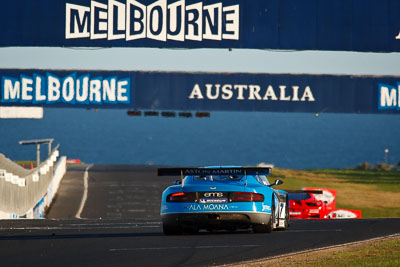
349	25
200	91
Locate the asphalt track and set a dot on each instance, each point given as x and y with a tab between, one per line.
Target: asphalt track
120	226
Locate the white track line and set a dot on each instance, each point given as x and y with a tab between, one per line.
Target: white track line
316	230
80	228
168	248
85	192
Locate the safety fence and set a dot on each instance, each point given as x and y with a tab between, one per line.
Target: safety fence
27	193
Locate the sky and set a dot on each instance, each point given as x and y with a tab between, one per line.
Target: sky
204	60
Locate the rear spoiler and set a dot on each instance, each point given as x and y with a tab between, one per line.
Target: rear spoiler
214	171
305	191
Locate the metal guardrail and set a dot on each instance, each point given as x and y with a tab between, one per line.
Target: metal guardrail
24	192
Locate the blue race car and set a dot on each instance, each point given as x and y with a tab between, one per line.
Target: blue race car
222	198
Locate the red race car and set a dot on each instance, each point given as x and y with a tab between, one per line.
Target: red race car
317	203
304	205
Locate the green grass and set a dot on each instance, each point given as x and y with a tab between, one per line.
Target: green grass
291	183
387	181
385	253
291	180
376	212
375	193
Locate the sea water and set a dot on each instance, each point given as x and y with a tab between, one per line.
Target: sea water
287	140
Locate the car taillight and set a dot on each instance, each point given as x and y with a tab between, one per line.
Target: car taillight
181	197
246	197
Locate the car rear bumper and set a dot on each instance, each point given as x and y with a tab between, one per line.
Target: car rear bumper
305	214
216	220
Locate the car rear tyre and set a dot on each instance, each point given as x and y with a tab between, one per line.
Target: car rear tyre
171	229
268	227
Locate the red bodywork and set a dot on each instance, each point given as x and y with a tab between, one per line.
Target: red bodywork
304	205
328	196
317	203
345	214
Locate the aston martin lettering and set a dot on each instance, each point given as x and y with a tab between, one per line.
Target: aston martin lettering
252	92
212	172
161	21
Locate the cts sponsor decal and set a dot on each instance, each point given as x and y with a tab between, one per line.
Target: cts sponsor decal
251	92
49	88
389	96
162	20
213	197
214	194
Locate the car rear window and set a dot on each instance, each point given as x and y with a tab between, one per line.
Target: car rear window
218	178
262	179
298	196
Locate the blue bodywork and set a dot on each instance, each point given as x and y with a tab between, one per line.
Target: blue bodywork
191	185
214	200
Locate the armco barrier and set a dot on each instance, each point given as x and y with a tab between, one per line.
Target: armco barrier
27	193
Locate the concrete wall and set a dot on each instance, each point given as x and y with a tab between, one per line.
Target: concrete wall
26	193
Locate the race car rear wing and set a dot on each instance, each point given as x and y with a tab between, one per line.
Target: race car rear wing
187	171
214	171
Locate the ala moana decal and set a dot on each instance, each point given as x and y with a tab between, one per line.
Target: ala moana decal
219	207
208	207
